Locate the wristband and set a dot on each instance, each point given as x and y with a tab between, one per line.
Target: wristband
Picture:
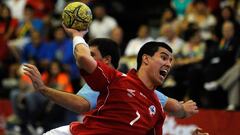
78	40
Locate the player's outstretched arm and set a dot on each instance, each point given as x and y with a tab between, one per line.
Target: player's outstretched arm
67	100
81	50
181	110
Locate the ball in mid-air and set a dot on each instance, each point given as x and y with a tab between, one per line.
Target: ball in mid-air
77	15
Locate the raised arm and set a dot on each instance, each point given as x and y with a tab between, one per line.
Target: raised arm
67	100
81	50
181	110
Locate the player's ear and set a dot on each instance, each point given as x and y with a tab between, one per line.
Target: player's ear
145	59
107	59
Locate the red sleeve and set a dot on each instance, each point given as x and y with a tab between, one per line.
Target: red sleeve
158	129
101	76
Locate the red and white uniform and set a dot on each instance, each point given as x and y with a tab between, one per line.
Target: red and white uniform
125	105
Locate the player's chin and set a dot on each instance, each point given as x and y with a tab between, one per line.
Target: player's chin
161	79
159	82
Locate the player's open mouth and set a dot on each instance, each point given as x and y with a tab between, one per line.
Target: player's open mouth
163	72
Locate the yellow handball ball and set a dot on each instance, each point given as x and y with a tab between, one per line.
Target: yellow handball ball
77	15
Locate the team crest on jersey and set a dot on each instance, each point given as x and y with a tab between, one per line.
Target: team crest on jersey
152	110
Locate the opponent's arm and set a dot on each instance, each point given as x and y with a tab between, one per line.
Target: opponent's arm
180	110
67	100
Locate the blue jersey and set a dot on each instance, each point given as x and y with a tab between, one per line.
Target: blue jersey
91	96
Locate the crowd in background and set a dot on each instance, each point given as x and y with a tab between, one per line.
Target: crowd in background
204	36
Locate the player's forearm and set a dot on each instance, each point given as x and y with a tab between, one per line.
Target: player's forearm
175	108
179	112
67	100
82	55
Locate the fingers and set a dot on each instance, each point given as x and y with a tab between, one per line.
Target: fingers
31	71
28	74
198	131
29	68
190	108
74	32
181	102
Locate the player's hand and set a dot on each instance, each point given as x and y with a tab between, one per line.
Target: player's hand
199	131
190	108
32	72
73	32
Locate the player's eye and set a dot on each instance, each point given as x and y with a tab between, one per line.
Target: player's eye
92	54
163	57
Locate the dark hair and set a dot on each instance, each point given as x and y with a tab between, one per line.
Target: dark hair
8	19
200	1
150	48
232	13
174	14
107	47
191	31
29	7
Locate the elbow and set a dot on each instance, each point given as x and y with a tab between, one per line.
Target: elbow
80	109
82	105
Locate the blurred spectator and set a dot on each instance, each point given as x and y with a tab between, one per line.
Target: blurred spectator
102	24
203	18
59	6
187	67
168	34
32	108
56	77
4	50
194	48
168	16
227	14
30	23
224	54
8	26
10	79
24	29
61	50
219	61
180	6
117	36
25	109
41	7
17	8
37	50
48	27
135	44
214	5
191	56
229	81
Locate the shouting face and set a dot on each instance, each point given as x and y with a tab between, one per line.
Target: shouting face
159	66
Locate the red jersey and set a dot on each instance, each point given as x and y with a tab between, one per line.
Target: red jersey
125	105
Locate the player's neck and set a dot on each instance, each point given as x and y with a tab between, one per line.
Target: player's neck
143	76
